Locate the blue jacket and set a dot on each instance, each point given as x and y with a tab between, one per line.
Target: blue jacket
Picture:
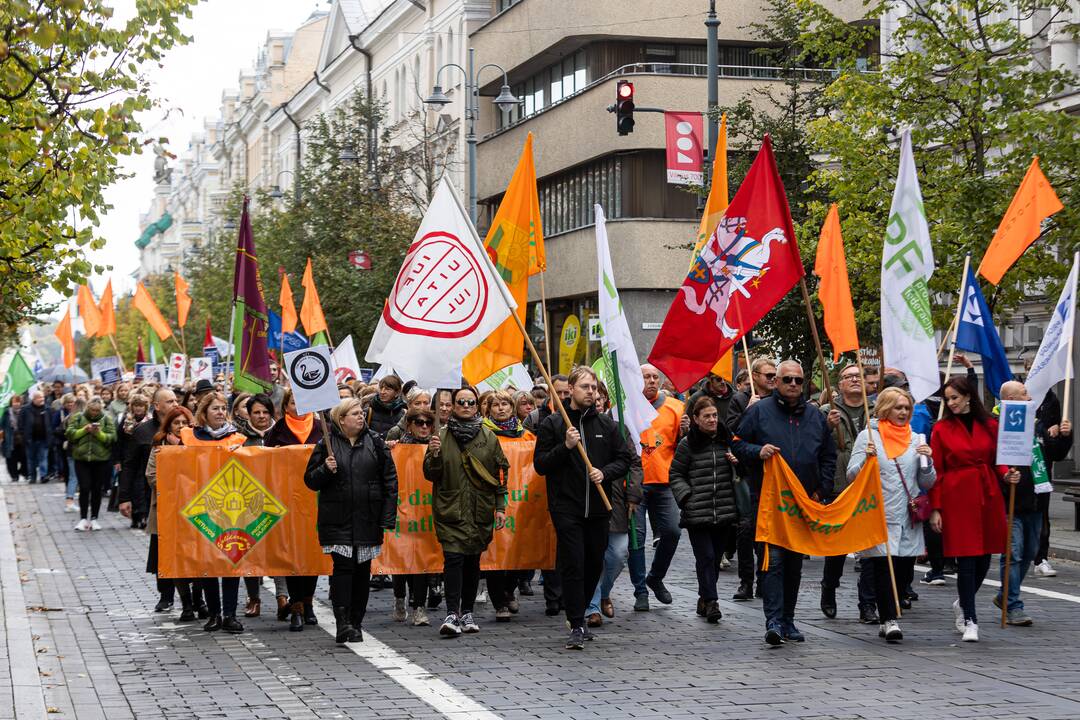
803	436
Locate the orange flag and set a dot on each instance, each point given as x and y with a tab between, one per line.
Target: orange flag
715	205
183	300
67	342
1034	201
146	305
108	314
288	306
311	313
89	312
834	291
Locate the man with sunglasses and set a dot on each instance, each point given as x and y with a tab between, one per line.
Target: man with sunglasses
784	423
847	418
763	382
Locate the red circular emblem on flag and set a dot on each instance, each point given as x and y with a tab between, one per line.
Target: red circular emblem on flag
441	291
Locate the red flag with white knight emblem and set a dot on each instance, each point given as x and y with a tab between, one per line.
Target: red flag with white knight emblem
746	267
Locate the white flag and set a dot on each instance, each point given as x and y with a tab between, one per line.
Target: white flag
346	366
907	327
618	345
1051	364
447	297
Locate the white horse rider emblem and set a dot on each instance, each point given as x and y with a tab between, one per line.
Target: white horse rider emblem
731	261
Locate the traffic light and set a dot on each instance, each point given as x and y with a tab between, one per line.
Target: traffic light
624	107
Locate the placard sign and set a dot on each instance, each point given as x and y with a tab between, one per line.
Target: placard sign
1016	433
106	369
312	379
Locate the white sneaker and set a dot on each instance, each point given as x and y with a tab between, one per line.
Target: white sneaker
420	617
958	616
468	624
892	631
71	507
82	526
724	562
971	632
1044	569
95	525
482	597
451	627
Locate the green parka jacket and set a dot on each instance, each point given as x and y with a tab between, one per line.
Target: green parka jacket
91	447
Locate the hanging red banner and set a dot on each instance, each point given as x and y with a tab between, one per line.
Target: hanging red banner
685	159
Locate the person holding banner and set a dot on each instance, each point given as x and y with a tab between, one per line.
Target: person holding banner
581	521
298	605
419	426
467	468
355	476
906	469
1052	443
212	428
968	508
91	434
785	423
255	425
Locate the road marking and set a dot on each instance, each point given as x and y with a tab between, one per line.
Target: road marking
440	695
1052	594
29	698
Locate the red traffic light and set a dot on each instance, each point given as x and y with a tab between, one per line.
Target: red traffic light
625	90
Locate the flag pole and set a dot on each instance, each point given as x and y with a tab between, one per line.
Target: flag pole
955	330
1069	359
112	339
632	517
528	341
1008	556
820	355
543	309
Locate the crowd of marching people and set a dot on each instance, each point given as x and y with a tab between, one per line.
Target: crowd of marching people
698	467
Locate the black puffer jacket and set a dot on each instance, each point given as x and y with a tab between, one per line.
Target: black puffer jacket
359	501
702	479
383	416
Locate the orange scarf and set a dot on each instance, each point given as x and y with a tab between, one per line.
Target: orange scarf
301	427
895	438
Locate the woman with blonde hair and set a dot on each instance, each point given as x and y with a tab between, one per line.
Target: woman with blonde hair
907	471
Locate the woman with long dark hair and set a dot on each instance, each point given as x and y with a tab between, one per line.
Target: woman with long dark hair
968	509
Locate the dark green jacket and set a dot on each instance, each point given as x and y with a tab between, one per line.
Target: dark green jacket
87	447
463	507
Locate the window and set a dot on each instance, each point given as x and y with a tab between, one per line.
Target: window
439	61
567	199
502	5
415	85
547	87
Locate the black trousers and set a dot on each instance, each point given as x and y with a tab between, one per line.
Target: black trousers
461	578
709	543
935	550
221	601
501	585
552	587
416	584
92	478
745	548
970	573
1042	502
350	585
904	567
301	587
16	463
579	557
834	570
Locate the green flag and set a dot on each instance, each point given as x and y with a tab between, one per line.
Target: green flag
18	379
157	353
320	338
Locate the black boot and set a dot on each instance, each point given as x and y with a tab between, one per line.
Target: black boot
231	625
187	612
828	602
745	592
214	623
296	617
345	631
309	612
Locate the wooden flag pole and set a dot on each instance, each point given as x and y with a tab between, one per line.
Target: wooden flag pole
955	330
1008	556
820	353
543	309
1069	364
112	339
945	337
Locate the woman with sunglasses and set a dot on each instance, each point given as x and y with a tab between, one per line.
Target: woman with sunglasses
467	467
419	425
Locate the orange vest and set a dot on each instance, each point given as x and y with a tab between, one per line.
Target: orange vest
187	437
659	440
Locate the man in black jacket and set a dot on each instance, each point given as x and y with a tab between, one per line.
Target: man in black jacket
1052	443
784	423
577	512
132	488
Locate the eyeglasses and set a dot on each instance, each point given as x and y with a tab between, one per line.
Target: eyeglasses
791	380
422	423
465	403
767	376
850	377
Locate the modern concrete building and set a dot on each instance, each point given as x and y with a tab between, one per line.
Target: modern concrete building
564	59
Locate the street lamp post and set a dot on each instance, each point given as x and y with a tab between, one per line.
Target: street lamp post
504	101
275	190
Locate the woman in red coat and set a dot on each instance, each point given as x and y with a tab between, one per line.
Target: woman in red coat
968	509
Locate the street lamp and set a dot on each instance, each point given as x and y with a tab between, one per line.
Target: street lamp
275	189
504	101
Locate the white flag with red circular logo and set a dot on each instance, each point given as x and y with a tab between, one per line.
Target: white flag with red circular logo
447	297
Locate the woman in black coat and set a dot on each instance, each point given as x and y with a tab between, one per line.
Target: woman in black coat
357	486
703	482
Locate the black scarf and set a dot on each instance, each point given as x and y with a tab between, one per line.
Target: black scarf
463	430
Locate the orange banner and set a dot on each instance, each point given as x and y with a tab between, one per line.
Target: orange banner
225	513
526	543
248	512
789	518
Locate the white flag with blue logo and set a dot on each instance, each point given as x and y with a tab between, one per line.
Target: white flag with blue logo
1016	433
1052	363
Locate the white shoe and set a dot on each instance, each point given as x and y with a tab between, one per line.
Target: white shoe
95	525
971	632
468	624
70	507
451	626
958	616
82	526
482	597
1044	569
891	631
420	617
399	610
724	562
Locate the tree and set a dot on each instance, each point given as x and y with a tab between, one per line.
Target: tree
71	88
968	77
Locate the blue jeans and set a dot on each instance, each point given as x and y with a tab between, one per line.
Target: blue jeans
664	520
618	548
780	585
1026	530
37	459
72	479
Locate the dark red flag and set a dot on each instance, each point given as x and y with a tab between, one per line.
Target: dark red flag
140	356
252	370
746	267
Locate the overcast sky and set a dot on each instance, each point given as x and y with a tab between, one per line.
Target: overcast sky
226	38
